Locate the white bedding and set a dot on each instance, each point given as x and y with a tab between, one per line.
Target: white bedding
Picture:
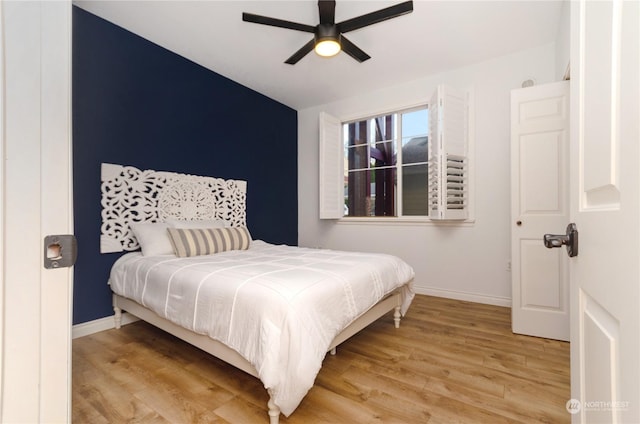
280	307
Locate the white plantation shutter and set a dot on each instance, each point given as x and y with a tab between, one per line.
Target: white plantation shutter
331	168
448	155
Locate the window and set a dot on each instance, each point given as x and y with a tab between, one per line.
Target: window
386	170
408	163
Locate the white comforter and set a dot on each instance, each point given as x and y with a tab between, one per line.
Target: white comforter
278	306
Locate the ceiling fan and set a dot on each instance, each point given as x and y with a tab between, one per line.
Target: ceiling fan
328	37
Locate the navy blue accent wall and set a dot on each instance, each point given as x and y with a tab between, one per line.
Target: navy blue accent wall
135	103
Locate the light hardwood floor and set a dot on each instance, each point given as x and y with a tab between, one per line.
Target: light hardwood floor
449	362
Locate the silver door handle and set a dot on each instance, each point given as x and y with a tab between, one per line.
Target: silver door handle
570	239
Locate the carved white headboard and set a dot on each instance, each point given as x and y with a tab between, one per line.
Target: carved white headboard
130	195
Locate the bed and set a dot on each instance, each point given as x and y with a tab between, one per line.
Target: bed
273	311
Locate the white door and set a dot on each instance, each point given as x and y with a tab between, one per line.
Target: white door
36	201
605	205
539	205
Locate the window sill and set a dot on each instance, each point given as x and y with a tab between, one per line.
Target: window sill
405	220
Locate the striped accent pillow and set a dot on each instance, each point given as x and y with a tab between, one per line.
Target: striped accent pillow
207	241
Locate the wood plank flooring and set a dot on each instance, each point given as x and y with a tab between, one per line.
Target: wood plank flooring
449	362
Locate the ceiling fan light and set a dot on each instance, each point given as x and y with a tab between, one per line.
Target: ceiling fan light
327	47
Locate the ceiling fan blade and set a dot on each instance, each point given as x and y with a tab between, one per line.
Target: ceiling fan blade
265	20
327	10
352	50
375	17
301	53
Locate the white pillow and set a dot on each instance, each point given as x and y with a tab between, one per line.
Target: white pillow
153	238
213	223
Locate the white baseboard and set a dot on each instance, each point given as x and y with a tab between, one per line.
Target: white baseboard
101	324
469	297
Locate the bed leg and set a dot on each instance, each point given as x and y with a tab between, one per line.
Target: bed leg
117	317
274	411
396	317
333	351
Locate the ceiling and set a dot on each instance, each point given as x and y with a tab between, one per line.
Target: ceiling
437	36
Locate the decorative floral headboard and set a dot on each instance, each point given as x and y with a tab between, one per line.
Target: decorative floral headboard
130	195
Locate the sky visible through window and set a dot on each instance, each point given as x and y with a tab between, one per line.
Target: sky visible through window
414	124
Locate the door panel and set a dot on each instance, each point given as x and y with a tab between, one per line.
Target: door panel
539	205
540	166
605	205
600	164
600	335
541	277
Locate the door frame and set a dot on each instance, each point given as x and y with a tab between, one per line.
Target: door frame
36	193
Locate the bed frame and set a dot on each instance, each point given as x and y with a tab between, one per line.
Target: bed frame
230	356
130	195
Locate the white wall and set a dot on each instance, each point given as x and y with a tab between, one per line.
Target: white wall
562	42
464	262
